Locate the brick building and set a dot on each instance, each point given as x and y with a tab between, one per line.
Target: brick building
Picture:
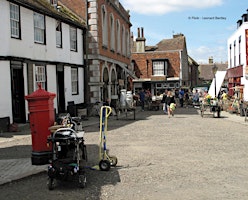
108	58
164	66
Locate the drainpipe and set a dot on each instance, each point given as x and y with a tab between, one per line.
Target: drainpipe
86	64
147	65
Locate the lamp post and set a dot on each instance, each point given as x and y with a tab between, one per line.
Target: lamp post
214	69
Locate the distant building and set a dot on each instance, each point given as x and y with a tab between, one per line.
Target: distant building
238	59
206	72
164	66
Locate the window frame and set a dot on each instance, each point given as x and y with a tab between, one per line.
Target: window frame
112	32
104	16
15	22
40	76
118	29
39	28
162	69
123	39
73	38
74	81
58	34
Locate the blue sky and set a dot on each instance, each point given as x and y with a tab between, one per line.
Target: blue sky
206	24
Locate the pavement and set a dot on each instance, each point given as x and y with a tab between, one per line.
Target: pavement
18	168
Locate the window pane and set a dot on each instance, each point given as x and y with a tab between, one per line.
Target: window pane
58	34
40	76
158	68
14	21
74	80
73	38
39	28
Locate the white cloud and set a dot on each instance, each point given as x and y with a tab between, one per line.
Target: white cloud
202	54
165	6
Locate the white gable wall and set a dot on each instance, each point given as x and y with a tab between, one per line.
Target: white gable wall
5	89
235	37
26	48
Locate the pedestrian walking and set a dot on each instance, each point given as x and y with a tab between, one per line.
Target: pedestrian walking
171	104
186	99
181	96
163	102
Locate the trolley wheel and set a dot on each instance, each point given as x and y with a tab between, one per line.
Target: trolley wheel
113	160
50	183
202	112
104	165
82	181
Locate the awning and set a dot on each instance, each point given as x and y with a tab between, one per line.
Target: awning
220	76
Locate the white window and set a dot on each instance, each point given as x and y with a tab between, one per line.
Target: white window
159	68
123	39
112	29
73	38
15	20
128	43
118	36
74	80
104	27
39	28
58	34
40	76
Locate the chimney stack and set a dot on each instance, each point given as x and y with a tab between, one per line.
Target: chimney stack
140	41
210	60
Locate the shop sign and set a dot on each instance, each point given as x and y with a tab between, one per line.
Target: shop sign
158	78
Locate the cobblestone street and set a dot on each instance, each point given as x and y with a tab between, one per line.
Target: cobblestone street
183	157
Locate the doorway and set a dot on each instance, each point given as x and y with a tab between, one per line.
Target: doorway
61	89
17	89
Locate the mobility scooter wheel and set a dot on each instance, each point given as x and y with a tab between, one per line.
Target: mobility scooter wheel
50	183
82	181
104	165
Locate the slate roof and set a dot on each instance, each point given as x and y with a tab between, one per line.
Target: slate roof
178	42
206	70
175	43
44	7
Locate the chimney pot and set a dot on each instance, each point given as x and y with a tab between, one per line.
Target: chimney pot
138	32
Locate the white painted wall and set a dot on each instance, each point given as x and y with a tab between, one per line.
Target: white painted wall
68	95
235	37
25	48
5	90
52	84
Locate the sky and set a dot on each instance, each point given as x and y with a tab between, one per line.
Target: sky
206	24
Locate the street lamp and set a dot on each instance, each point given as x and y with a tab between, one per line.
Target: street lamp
214	70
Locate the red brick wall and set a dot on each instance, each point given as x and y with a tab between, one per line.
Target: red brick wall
142	58
79	6
107	51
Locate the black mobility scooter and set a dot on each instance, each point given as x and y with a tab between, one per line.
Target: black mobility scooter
68	157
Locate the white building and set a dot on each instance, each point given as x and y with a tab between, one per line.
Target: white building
40	43
237	59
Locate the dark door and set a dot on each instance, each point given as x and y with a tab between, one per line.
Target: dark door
18	101
61	89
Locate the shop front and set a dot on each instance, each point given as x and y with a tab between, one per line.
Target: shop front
234	79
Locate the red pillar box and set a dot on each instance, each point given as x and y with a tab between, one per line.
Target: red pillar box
41	117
